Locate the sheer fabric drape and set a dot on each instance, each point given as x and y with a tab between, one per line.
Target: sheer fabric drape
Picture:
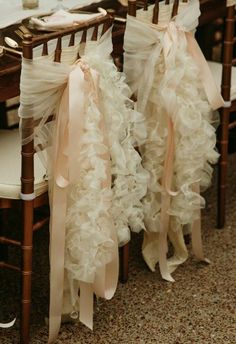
93	168
162	70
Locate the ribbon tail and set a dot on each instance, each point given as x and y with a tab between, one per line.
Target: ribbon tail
86	304
58	205
57	249
165	201
163	245
106	280
77	94
107	277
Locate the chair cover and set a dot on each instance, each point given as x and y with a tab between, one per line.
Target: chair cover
96	179
176	92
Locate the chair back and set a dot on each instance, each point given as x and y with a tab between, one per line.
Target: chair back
132	7
30	42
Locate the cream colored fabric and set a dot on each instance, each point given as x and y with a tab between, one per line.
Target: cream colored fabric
167	81
231	3
10	168
216	69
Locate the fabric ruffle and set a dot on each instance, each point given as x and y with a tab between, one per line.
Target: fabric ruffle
126	129
92	210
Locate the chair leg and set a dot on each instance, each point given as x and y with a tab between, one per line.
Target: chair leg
222	169
3	230
124	266
27	248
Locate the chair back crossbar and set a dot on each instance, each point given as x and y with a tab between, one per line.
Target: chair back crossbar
132	8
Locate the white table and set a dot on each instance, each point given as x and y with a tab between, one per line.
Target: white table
12	11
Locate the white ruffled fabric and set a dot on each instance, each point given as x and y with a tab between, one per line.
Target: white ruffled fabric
91	207
158	82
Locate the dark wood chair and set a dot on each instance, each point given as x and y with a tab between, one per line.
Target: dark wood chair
225	74
22	175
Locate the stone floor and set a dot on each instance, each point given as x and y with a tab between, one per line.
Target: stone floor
200	307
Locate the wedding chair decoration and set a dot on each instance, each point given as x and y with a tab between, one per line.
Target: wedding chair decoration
176	93
96	180
225	76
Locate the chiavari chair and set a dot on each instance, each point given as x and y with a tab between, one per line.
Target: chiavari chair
23	181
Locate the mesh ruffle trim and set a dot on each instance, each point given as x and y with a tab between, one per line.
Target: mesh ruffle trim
126	130
92	210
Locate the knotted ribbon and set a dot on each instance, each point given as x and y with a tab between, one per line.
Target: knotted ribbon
82	83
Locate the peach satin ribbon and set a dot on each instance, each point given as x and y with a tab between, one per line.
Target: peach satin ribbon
82	82
172	35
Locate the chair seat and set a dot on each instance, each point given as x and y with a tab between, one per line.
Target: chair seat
10	167
216	69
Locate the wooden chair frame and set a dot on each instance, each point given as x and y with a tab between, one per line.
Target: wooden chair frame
28	202
225	124
132	7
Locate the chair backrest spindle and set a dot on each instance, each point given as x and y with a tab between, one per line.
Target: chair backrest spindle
95	33
45	49
155	12
84	36
132	7
57	56
175	8
145	5
72	39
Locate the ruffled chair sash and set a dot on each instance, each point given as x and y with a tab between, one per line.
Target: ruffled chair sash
146	44
91	139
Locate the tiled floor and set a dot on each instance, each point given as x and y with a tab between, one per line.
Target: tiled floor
200	307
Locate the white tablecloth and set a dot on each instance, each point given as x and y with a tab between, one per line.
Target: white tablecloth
11	11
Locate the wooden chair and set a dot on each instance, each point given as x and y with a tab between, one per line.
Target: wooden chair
26	186
225	75
132	7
